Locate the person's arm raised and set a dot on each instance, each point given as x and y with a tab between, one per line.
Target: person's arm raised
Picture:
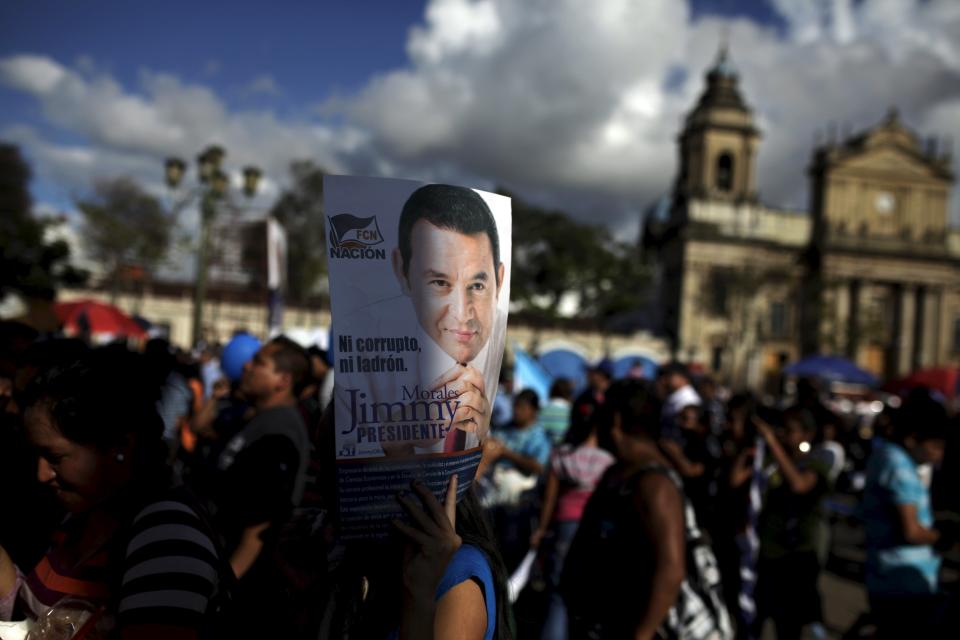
686	467
742	469
432	541
799	481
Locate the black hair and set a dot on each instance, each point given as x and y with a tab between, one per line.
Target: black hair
314	350
448	207
803	417
578	431
100	399
15	339
920	417
528	396
367	559
741	401
474	528
373	610
561	388
675	367
637	405
291	358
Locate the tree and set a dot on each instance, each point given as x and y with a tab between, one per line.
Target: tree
28	265
125	227
555	257
300	211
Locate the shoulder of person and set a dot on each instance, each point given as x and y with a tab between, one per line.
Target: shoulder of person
172	506
539	431
467	563
658	491
599	454
173	524
653	478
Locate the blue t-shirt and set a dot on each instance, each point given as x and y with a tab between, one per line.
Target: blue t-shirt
894	568
502	409
532	442
469	563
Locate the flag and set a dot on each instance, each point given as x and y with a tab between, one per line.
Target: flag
276	275
530	374
749	543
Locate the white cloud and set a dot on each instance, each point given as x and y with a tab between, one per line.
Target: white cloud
131	131
570	103
33	74
454	27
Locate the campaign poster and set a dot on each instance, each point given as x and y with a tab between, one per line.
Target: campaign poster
419	293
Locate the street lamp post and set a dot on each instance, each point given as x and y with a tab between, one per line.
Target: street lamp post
213	188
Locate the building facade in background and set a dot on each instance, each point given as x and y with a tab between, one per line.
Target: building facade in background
871	272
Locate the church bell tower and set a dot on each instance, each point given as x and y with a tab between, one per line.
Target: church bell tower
718	144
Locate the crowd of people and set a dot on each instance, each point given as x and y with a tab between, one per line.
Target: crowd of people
148	496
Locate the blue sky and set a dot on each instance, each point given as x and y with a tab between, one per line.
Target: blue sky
310	49
566	102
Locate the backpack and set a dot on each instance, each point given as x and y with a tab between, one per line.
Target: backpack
700	612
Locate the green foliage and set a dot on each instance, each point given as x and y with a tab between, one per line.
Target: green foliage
300	211
27	264
125	226
554	256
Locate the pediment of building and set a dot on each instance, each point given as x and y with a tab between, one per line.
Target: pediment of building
889	159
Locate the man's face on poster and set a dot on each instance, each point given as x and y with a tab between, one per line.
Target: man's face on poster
452	281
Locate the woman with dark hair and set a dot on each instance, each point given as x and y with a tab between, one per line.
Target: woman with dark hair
441	578
475	569
134	548
574	470
638	566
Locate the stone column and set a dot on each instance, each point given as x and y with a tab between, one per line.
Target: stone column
919	335
931	327
841	319
855	299
904	338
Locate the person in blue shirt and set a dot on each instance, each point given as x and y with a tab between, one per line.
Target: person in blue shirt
902	563
515	458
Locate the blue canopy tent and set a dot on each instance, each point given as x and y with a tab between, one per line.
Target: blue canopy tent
832	369
563	363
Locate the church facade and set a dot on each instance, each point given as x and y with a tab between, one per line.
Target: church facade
871	272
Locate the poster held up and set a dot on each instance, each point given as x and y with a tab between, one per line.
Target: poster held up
419	291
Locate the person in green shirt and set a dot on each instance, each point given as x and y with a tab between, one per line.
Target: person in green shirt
788	566
555	417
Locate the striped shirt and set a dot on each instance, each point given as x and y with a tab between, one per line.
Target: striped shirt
168	572
170	568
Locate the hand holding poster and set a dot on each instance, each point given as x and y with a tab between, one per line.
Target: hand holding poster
420	288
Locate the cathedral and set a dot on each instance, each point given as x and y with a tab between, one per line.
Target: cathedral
871	272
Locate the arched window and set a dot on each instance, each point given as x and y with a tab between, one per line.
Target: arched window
724	174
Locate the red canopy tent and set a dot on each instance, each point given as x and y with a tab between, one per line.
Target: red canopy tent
942	379
97	319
